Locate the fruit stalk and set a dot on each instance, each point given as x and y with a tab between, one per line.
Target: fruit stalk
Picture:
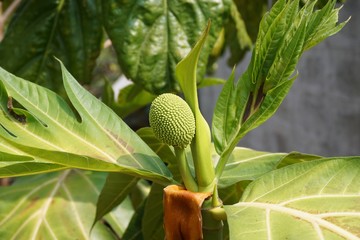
184	169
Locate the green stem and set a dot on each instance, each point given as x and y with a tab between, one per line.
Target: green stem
212	228
222	162
184	169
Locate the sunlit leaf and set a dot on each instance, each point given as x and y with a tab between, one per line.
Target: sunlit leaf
58	205
22	167
248	164
50	130
310	200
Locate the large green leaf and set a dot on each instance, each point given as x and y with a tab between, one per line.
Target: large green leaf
248	164
95	139
117	186
311	200
151	37
58	205
39	30
283	36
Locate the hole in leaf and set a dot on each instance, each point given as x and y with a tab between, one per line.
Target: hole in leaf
15	112
10	133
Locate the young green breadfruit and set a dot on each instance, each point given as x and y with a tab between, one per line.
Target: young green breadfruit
172	120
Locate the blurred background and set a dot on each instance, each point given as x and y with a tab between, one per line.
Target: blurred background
321	114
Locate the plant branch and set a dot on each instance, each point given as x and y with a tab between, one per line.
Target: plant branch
4	17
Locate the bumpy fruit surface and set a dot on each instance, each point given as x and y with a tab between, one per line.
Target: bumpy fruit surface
172	120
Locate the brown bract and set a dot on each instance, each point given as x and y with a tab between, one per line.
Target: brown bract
182	213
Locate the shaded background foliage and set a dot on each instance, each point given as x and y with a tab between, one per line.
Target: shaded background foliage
40	30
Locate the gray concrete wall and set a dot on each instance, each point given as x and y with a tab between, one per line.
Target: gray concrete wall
321	114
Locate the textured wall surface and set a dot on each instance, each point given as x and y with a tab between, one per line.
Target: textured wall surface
321	114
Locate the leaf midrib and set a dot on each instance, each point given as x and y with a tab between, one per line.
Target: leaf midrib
76	212
24	198
314	219
48	201
63	128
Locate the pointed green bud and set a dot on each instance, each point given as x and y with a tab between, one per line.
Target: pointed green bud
172	120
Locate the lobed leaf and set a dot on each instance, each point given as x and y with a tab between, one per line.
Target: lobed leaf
95	139
310	200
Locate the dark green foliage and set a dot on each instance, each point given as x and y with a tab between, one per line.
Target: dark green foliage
151	37
40	30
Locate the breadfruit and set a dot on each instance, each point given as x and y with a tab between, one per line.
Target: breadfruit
172	120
